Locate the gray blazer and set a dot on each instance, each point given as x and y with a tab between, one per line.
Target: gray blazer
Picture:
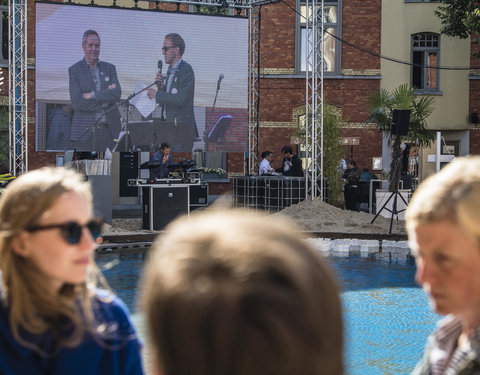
86	110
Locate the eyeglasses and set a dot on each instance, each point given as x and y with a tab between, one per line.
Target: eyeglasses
166	48
72	231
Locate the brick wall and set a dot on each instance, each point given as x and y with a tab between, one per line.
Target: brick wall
474	96
370	146
277	35
475	48
475	141
361	26
361	21
235	162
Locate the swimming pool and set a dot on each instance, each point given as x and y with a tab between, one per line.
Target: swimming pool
387	317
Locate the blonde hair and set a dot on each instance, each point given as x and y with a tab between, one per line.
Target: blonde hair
240	293
453	194
32	306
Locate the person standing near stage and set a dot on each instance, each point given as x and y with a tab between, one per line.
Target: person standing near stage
175	96
291	164
94	89
164	158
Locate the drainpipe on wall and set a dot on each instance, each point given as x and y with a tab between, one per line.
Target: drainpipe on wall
437	154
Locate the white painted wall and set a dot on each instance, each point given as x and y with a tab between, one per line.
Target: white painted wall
399	21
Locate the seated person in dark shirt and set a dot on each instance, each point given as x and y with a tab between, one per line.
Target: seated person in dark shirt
164	158
291	164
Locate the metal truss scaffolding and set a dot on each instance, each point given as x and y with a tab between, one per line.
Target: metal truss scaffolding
254	88
17	86
235	4
314	100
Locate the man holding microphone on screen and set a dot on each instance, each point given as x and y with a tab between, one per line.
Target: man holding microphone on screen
175	96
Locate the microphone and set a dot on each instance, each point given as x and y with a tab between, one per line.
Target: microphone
220	77
160	81
160	64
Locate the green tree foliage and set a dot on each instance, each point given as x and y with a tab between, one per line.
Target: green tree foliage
382	103
205	9
333	152
4	147
459	18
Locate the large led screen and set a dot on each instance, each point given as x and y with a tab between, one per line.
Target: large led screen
88	84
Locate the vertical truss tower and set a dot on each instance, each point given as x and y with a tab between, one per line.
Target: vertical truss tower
17	86
314	100
253	87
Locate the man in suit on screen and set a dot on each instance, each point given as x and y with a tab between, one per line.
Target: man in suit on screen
94	90
175	97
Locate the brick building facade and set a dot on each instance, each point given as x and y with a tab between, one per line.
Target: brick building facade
282	82
282	85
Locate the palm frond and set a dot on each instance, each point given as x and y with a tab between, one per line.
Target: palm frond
382	103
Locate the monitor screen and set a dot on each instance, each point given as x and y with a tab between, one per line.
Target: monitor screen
93	62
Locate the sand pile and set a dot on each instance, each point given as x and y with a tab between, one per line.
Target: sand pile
318	216
311	216
124	226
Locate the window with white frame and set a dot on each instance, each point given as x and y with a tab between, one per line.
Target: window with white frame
331	19
425	60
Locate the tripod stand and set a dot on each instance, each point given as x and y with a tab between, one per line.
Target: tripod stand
394	210
400	126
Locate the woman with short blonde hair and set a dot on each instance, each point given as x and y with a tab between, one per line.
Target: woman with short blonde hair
443	223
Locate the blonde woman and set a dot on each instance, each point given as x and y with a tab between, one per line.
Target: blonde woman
238	293
53	319
443	223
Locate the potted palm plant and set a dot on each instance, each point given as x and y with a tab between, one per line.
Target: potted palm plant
382	104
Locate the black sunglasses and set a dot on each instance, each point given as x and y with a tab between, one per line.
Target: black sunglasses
72	231
165	49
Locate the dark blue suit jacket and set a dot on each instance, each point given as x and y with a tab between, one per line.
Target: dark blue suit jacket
118	354
162	170
86	110
178	102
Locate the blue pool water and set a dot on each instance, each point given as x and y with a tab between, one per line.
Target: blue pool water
387	317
